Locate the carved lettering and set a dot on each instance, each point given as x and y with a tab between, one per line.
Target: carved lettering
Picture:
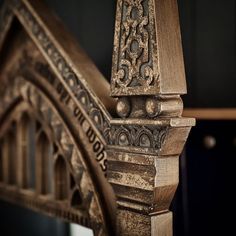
96	146
91	135
78	114
101	155
104	165
64	95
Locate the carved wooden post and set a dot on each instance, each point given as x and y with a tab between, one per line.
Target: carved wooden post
148	78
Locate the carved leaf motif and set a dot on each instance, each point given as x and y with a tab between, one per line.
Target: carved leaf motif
144	138
137	136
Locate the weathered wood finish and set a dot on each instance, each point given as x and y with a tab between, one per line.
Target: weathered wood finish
62	153
147	77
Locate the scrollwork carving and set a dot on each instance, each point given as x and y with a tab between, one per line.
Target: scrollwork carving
135	66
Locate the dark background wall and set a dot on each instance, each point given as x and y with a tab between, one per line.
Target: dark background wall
16	221
208	34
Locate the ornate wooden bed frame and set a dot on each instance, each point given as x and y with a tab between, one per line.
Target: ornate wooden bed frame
63	150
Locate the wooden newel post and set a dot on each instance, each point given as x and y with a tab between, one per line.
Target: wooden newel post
145	143
50	88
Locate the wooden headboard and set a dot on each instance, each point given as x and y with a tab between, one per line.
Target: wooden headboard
63	151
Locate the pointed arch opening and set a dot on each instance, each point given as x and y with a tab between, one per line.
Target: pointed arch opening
23	146
72	181
44	164
5	151
12	158
61	179
31	155
1	161
8	157
76	199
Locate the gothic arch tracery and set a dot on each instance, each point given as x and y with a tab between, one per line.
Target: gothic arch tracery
53	163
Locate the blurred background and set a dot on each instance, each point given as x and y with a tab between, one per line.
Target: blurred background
205	198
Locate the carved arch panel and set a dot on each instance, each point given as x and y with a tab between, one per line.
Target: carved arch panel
52	193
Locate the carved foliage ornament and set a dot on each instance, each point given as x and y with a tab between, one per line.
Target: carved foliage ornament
137	136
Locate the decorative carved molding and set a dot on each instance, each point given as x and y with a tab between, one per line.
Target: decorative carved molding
94	115
139	136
